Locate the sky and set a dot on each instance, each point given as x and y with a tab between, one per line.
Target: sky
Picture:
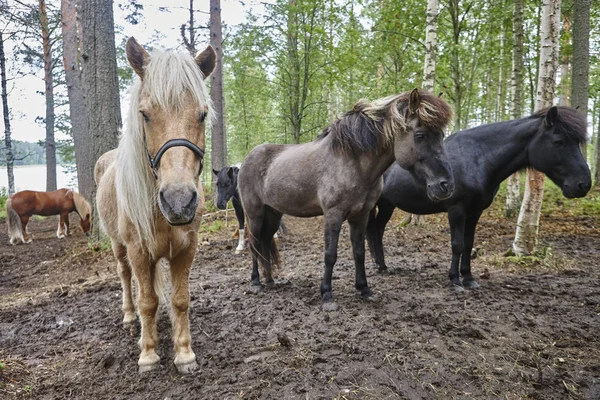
26	99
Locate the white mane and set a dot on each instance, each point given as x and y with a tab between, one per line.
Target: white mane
167	78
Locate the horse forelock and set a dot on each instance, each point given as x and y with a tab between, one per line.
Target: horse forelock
168	78
373	126
572	122
82	206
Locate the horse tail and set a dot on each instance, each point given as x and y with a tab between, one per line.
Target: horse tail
15	228
282	228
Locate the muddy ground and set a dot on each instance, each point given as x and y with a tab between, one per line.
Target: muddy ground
531	331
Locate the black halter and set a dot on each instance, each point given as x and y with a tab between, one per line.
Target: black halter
154	162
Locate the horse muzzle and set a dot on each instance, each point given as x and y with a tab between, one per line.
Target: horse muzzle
440	190
579	189
178	204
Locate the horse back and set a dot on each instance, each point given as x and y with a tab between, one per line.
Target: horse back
29	202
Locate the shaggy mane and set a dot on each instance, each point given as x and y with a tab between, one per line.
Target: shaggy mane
372	126
571	122
81	205
168	77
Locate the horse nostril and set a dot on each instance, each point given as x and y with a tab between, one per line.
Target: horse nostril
444	186
192	201
584	187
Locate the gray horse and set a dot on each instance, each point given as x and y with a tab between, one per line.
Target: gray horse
339	175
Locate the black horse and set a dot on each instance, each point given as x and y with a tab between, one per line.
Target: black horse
481	158
227	189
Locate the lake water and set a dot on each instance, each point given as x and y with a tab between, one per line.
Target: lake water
33	177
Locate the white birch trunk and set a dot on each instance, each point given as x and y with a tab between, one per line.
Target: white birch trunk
513	188
430	45
529	216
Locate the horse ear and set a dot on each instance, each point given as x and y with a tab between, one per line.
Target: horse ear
207	60
551	117
230	172
136	55
413	101
215	172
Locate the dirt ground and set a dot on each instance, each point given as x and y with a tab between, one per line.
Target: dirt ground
531	331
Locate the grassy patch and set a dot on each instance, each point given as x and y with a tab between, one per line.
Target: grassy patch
542	260
214	227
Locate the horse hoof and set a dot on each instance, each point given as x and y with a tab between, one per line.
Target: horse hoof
255	289
187	368
471	284
239	251
28	241
458	288
330	306
370	297
147	368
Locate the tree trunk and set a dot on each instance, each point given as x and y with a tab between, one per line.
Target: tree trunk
597	155
516	94
529	217
218	138
49	92
5	113
430	45
581	58
100	84
455	66
71	38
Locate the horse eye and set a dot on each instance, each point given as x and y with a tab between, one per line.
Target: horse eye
146	118
558	143
202	116
419	136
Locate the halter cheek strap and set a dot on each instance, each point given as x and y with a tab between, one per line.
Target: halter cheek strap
154	162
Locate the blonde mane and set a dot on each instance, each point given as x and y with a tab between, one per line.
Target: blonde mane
168	77
81	205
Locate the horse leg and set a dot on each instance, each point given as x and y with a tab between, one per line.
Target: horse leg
255	223
124	271
239	213
185	359
24	222
60	231
375	231
269	249
145	270
66	225
465	262
357	237
457	235
333	225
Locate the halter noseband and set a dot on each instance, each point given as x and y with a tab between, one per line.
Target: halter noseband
154	162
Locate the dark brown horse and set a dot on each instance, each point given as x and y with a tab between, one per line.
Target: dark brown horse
22	205
339	176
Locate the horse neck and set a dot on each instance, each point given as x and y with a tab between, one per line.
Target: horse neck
378	163
505	146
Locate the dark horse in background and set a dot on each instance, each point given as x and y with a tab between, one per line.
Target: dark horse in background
227	189
338	175
481	158
22	205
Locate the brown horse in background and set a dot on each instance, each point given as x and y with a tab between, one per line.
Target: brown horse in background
22	205
149	197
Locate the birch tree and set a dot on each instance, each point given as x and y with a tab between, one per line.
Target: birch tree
516	94
529	216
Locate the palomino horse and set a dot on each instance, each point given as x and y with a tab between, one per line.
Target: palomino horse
22	205
339	176
481	159
227	189
149	198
